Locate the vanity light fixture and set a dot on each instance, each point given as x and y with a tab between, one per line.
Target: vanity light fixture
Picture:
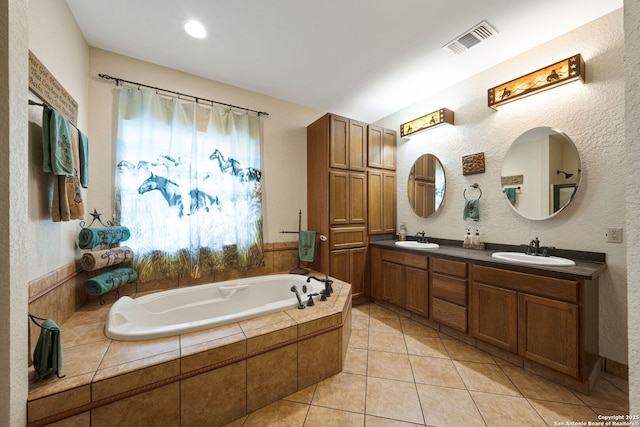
566	174
195	29
565	71
428	121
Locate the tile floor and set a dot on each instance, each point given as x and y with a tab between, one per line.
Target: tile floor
401	373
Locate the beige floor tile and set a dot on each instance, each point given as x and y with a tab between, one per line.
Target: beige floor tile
485	378
342	391
356	361
606	396
385	341
360	310
323	417
303	396
360	322
385	324
359	339
413	328
554	412
460	351
282	413
397	400
395	366
378	311
371	421
444	406
435	371
426	346
500	411
533	386
621	383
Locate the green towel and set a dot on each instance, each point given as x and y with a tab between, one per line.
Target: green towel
307	246
471	210
84	159
511	195
57	154
89	238
105	282
47	357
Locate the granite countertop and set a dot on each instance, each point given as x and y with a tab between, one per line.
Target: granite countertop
589	265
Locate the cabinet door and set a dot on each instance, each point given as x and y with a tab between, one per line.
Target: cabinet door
548	333
389	149
339	142
416	283
392	283
375	272
389	202
375	146
357	145
375	202
357	198
494	316
340	264
357	271
339	185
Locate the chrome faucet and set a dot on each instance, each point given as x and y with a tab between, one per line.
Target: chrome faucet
328	288
534	247
422	237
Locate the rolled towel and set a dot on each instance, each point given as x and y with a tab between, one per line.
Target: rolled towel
100	259
105	282
89	238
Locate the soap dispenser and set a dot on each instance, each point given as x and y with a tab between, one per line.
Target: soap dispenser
467	237
403	232
476	238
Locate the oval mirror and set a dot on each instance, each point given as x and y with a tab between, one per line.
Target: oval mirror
540	173
426	185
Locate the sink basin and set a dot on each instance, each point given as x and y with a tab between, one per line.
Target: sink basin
521	258
417	245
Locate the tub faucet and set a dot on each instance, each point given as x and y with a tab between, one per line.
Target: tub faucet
328	288
294	289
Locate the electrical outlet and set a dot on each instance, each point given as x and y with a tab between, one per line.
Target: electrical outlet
614	235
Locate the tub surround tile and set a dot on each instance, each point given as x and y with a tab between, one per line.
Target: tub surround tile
113	383
318	358
165	402
212	352
271	376
435	371
315	318
393	399
263	322
503	410
342	391
259	339
83	359
59	402
82	334
443	406
133	366
120	352
80	420
199	337
214	398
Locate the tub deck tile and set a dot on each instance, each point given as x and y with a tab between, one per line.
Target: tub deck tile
199	337
212	352
120	352
271	335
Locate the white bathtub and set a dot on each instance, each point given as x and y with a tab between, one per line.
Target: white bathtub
182	310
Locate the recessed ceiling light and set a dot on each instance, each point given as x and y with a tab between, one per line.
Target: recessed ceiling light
195	29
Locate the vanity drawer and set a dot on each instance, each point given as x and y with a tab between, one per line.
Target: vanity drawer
348	237
404	258
449	314
449	288
566	290
447	266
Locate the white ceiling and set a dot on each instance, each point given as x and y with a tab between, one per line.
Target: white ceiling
364	59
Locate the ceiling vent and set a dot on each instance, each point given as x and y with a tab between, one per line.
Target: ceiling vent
470	38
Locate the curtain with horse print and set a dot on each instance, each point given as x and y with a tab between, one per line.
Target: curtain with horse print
188	185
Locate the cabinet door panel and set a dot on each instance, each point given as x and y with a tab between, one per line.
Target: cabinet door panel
375	200
374	143
357	269
392	287
494	316
416	290
339	185
357	198
548	332
340	264
389	203
357	145
389	149
339	142
452	315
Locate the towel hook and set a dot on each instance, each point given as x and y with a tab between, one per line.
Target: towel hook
474	185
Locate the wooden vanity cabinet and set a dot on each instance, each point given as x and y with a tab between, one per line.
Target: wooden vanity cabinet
537	317
405	280
449	288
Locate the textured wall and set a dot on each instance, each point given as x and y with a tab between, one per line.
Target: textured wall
632	101
592	115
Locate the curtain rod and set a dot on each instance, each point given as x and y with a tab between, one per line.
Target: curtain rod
197	98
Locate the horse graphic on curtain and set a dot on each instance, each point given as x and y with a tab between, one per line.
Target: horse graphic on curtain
192	211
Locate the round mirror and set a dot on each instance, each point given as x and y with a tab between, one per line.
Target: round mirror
426	185
540	173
